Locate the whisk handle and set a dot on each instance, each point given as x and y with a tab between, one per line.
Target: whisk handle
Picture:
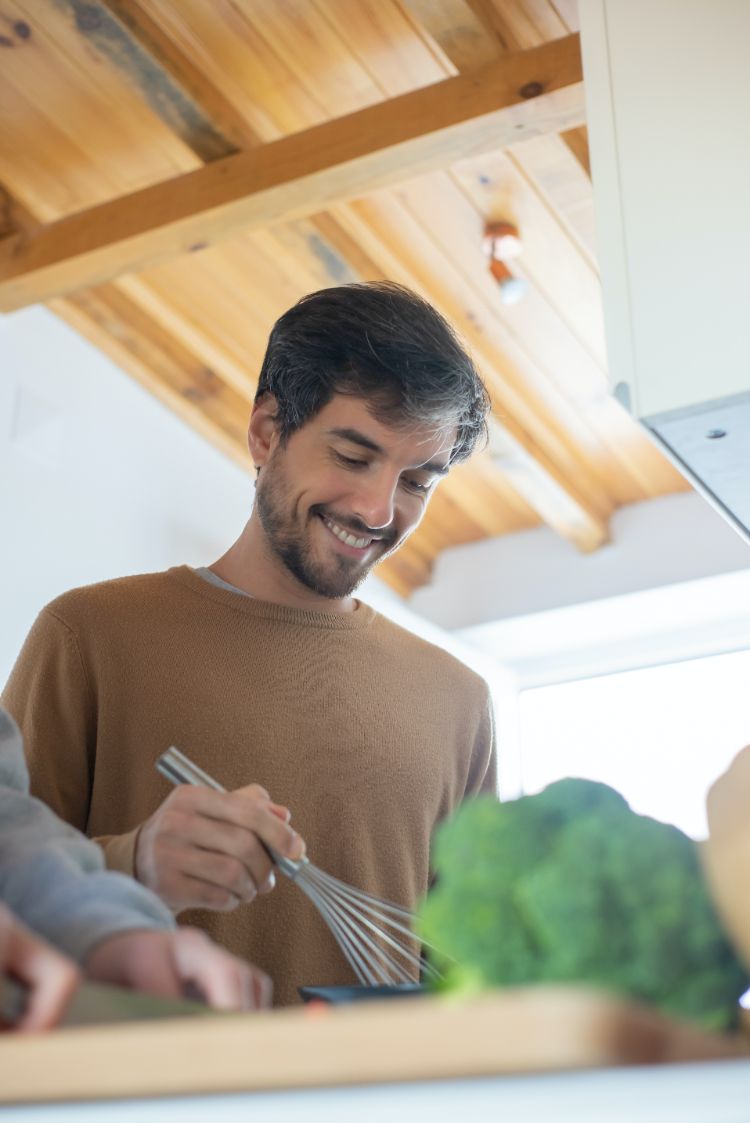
180	769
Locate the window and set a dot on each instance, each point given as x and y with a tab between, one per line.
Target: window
658	734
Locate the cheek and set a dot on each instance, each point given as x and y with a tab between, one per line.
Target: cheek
330	485
411	510
324	488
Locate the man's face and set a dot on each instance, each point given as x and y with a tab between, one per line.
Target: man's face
345	491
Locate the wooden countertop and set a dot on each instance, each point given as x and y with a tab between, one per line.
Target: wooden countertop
534	1029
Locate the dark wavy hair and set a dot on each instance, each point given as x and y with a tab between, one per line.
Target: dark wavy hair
380	342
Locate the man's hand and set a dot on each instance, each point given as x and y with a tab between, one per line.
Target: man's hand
49	976
203	849
164	963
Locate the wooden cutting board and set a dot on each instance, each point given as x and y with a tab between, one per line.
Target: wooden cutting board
532	1029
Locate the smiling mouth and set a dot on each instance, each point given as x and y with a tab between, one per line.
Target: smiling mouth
347	537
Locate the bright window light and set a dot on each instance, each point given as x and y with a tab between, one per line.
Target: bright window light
660	735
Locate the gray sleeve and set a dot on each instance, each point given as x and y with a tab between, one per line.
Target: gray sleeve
52	877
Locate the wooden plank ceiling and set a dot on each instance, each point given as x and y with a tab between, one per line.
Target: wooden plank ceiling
175	173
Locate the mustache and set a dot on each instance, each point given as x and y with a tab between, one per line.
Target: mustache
386	535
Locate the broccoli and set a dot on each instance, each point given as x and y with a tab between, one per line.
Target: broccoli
570	885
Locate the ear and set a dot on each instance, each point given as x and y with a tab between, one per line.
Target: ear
263	431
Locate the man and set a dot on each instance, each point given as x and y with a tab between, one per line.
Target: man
105	923
264	668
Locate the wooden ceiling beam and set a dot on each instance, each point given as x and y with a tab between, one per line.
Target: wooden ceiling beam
518	96
540	483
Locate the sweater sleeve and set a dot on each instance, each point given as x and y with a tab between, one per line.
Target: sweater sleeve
119	850
483	769
52	877
49	696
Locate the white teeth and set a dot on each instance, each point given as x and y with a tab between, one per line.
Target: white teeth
347	538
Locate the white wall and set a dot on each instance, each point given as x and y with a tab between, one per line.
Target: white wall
97	478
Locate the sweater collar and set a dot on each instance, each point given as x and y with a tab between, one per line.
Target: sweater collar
362	616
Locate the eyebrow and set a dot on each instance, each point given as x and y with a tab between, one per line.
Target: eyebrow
357	438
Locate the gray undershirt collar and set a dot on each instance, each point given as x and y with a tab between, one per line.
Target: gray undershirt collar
209	575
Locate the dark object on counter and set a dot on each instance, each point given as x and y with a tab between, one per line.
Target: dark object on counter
337	996
100	1004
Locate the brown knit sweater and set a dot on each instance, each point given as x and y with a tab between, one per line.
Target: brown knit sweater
369	734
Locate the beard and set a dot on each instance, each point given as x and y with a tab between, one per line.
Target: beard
338	576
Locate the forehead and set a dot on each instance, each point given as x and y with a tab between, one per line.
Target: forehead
413	442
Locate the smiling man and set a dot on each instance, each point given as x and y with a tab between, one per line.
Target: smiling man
332	501
265	669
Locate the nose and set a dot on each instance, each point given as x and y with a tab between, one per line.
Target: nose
374	501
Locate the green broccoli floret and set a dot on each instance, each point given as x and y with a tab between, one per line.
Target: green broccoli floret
572	886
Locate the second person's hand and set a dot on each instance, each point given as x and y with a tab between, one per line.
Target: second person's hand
50	978
163	963
204	849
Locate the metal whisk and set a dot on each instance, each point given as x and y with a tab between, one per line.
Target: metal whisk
373	934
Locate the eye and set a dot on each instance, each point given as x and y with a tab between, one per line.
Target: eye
418	487
349	461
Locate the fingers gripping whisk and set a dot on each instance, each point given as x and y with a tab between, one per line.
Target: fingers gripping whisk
375	936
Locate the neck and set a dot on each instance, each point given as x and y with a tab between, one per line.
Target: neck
251	565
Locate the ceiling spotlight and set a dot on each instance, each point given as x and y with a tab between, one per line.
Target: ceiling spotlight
501	243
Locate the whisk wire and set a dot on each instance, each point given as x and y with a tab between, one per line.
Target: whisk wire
353	922
367	900
359	903
347	901
341	935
